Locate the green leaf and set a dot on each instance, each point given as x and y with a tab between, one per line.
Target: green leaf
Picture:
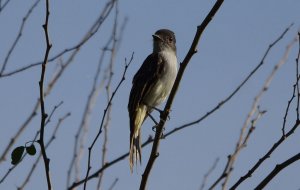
31	150
16	155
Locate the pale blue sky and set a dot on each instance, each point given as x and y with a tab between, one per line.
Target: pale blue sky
231	46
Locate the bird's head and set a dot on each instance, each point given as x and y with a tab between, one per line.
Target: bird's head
164	39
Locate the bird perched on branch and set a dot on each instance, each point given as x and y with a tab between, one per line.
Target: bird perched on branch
151	86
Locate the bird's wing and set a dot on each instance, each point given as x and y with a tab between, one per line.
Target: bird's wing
143	82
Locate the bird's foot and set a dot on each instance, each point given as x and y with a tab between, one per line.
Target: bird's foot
162	115
161	112
152	118
154	128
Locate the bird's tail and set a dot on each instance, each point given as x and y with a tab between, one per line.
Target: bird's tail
135	153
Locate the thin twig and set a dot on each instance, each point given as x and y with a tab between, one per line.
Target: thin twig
60	120
205	177
74	49
297	76
267	155
176	129
253	126
30	10
107	165
150	140
274	147
108	85
79	140
52	112
43	112
113	184
255	108
81	133
93	30
33	140
18	133
2	6
276	170
102	120
221	103
240	145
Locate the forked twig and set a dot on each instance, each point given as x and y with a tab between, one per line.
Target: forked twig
102	120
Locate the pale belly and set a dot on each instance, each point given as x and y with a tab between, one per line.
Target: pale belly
162	88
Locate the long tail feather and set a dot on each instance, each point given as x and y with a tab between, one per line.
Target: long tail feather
135	153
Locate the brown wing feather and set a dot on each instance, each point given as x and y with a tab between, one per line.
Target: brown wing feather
142	83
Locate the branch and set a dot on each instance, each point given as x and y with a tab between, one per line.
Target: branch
107	165
242	142
33	140
81	133
60	120
267	155
109	71
220	104
284	135
164	116
43	113
18	133
255	108
18	36
276	170
2	6
113	184
177	129
205	177
102	121
90	33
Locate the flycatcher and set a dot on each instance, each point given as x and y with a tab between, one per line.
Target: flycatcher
151	86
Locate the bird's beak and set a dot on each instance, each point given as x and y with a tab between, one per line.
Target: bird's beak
156	37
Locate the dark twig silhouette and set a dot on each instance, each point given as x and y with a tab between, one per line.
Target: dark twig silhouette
102	120
42	103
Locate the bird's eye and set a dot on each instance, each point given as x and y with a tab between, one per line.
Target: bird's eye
170	39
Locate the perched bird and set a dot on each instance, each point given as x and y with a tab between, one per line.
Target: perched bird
151	86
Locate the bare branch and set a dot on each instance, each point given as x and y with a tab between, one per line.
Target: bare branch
18	36
276	170
297	78
164	116
223	175
274	147
94	28
74	49
242	141
113	184
205	177
43	112
18	133
33	140
110	73
60	120
177	129
102	121
92	97
2	6
255	108
267	155
220	104
107	165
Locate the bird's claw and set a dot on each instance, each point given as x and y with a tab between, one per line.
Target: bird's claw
162	134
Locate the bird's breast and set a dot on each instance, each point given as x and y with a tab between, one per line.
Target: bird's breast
161	89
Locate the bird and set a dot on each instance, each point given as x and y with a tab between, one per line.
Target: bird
151	85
